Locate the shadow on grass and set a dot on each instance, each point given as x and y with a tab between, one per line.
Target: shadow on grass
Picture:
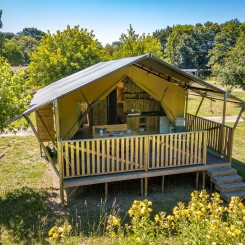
26	216
240	167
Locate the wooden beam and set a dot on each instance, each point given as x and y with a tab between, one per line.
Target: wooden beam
146	187
197	179
199	106
221	135
186	102
41	143
239	116
142	187
59	151
203	179
106	190
163	179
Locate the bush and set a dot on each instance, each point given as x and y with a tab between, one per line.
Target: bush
205	220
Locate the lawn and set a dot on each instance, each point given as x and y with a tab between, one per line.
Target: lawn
30	206
29	203
29	194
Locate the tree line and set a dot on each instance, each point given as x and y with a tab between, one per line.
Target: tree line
212	48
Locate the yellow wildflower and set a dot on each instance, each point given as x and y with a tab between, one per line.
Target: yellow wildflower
157	218
138	240
237	232
60	229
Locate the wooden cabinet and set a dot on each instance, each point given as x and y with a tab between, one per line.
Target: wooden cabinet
143	124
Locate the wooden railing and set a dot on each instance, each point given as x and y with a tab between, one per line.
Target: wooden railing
219	137
136	153
180	149
103	156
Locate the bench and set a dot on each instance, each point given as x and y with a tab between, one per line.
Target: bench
109	128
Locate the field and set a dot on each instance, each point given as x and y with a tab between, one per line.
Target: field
29	195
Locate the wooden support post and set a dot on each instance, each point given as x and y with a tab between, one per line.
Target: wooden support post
186	102
142	187
221	135
203	179
211	186
60	158
61	169
197	179
200	104
239	116
106	190
146	186
163	184
42	145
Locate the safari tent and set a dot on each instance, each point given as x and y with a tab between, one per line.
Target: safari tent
127	119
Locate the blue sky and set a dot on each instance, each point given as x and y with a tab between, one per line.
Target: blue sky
109	19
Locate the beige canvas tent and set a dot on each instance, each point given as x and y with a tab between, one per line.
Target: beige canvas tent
127	119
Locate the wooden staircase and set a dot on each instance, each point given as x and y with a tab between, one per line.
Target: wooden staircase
227	182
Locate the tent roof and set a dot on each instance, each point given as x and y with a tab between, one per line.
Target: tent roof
147	62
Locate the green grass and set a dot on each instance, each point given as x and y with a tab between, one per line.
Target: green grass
29	206
29	203
24	189
209	108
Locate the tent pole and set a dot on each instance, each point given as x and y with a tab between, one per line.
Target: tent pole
239	116
186	102
199	106
45	127
221	138
59	150
41	143
93	103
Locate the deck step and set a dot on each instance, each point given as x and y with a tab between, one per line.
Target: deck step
226	179
227	196
230	187
221	172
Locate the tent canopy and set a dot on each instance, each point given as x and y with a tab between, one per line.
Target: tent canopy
148	63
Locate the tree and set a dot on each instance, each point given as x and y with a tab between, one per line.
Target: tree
182	49
12	53
31	32
14	98
8	35
132	44
1	23
111	48
27	46
188	46
232	72
1	34
162	35
224	40
64	53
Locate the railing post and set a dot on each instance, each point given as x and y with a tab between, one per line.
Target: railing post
230	144
221	133
61	170
147	152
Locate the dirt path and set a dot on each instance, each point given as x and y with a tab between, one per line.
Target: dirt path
26	132
228	119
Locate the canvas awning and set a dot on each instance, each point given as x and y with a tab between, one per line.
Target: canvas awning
147	63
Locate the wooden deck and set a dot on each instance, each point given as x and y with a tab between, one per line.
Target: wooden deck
213	161
206	145
90	157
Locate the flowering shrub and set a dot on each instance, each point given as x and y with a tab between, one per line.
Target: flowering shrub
61	233
205	220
